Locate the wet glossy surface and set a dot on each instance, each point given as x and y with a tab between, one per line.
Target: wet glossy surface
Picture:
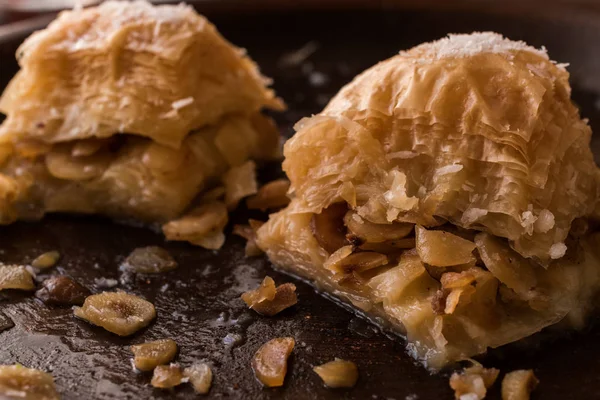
198	304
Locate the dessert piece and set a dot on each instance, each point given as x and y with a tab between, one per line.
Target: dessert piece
437	193
129	110
338	373
129	67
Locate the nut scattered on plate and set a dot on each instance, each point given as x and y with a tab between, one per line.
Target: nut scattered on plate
167	376
19	382
62	290
46	260
272	195
270	361
338	373
518	385
473	381
269	300
200	376
149	355
15	277
117	312
150	260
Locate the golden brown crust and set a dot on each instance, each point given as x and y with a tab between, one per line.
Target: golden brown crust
130	67
487	140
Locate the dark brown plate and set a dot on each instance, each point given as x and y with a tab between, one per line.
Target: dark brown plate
198	304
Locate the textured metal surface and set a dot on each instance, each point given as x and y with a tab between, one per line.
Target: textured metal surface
198	304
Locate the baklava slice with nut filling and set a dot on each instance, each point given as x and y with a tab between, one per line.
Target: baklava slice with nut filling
449	193
130	110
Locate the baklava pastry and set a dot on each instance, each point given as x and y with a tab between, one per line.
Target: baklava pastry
129	110
448	192
129	67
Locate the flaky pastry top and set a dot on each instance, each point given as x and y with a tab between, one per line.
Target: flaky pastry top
131	67
473	129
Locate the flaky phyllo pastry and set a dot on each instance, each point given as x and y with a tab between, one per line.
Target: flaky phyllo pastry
131	111
449	192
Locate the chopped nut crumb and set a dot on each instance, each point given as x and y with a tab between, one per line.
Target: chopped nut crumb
200	376
266	291
15	277
518	385
270	361
202	226
473	381
149	355
150	260
117	312
167	376
62	290
46	260
338	373
19	382
266	302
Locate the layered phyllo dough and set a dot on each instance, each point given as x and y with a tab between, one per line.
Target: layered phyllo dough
132	111
448	192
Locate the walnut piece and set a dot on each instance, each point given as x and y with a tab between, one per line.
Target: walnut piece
338	373
19	382
167	376
270	361
200	376
15	277
62	290
518	385
46	260
149	355
474	381
269	300
150	260
117	312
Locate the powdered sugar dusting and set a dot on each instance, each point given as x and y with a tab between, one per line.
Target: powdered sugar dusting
468	45
179	104
557	250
